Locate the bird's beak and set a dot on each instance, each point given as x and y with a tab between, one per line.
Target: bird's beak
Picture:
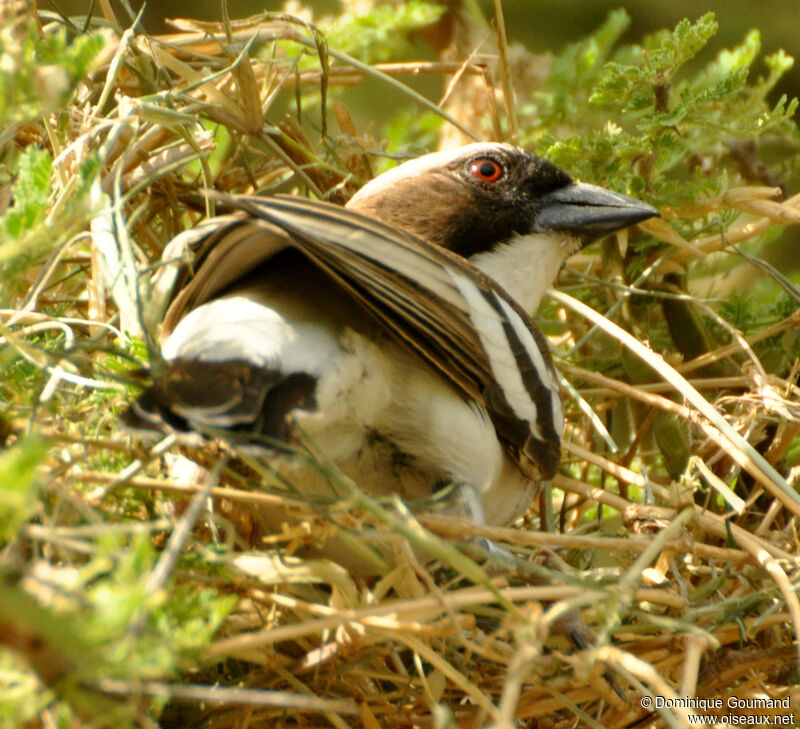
589	212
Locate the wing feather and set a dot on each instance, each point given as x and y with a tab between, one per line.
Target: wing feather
438	304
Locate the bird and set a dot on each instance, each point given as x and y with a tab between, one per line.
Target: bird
396	333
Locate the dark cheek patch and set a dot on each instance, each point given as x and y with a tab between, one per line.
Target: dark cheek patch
483	231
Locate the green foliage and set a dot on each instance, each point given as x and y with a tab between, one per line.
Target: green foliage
410	132
646	118
26	233
31	195
659	59
650	119
643	118
109	623
21	695
575	71
18	485
143	634
39	73
384	33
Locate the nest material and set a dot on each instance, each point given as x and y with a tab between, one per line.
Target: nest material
683	595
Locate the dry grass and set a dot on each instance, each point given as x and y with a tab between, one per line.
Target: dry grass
685	593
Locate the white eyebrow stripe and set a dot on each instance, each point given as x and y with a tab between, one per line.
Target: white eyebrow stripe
489	328
419	166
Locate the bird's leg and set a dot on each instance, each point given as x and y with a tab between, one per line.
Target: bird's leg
464	500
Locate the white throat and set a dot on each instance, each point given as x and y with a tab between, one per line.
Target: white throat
527	265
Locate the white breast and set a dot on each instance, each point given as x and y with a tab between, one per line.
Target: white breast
527	265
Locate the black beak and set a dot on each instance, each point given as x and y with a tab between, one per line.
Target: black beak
589	212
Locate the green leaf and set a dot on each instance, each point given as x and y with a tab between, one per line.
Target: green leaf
383	33
22	233
33	185
40	72
581	62
658	60
18	484
641	122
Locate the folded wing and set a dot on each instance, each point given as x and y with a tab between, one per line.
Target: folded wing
438	304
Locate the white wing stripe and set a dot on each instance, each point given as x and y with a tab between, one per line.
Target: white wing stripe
493	339
534	353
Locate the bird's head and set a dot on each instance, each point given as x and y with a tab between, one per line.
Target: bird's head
515	215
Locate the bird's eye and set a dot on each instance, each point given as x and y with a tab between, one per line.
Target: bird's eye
486	169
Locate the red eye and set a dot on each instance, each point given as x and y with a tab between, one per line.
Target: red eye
486	169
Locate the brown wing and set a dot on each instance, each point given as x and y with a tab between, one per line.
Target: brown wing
212	256
436	303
